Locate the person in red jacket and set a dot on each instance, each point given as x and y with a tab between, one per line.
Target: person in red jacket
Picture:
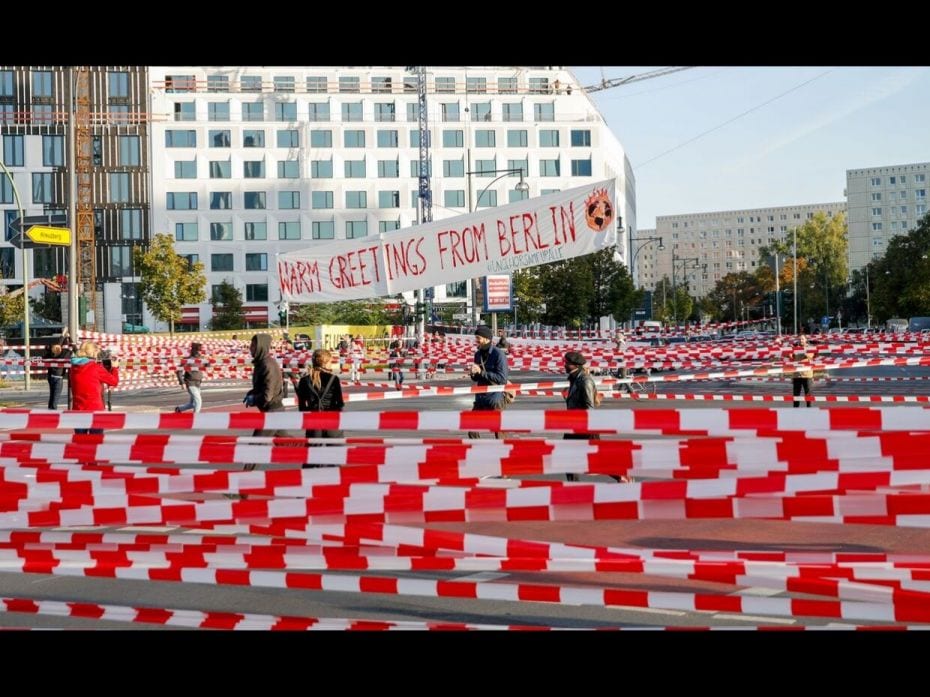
88	377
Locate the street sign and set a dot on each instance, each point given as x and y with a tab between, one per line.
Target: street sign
55	220
42	234
20	242
825	321
460	316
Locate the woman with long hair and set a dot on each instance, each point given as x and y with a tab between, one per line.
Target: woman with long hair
320	390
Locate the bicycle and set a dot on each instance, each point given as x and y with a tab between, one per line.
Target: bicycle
635	388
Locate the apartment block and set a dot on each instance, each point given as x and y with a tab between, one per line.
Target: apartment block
883	202
707	246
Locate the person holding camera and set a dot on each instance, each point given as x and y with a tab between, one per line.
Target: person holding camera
91	370
190	378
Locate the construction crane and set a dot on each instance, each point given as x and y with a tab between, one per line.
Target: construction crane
426	195
56	285
617	81
86	281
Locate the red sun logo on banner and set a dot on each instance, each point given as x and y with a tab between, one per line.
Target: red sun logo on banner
598	210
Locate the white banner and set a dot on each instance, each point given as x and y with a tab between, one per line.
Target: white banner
499	240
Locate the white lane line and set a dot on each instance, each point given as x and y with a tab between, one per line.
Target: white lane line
756	590
482	576
754	618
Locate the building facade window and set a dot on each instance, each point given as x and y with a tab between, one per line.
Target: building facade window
323	230
53	151
255	231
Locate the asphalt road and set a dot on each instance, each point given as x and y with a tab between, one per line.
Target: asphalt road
705	534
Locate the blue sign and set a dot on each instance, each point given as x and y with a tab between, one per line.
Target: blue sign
825	321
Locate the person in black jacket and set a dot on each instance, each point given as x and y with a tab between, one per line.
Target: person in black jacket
320	390
582	394
56	372
489	368
267	391
190	378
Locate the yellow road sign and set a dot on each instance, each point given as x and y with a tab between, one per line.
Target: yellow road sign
42	234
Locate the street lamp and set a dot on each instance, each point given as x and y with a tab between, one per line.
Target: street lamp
523	188
684	266
794	298
27	384
645	241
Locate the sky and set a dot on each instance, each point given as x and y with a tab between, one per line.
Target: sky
805	127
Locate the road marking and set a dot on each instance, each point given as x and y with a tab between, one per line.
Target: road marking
754	618
482	576
757	590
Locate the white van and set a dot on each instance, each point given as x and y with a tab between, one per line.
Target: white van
896	325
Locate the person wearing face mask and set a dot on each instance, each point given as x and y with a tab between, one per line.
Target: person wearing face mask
489	368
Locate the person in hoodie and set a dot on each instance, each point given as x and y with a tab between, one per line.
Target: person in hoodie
88	377
190	378
267	391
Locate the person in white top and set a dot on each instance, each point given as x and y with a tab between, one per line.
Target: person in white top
357	354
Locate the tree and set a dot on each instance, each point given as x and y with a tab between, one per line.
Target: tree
11	309
901	279
364	312
614	293
227	308
735	296
48	306
568	287
669	300
528	293
167	280
822	267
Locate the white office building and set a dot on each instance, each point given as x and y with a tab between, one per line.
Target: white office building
883	202
250	162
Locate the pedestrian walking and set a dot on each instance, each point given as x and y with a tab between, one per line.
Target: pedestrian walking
190	378
489	368
320	390
267	393
581	394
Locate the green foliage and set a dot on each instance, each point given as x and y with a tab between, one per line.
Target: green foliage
227	308
48	306
528	292
900	280
669	302
822	265
11	309
568	287
737	295
168	281
364	312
